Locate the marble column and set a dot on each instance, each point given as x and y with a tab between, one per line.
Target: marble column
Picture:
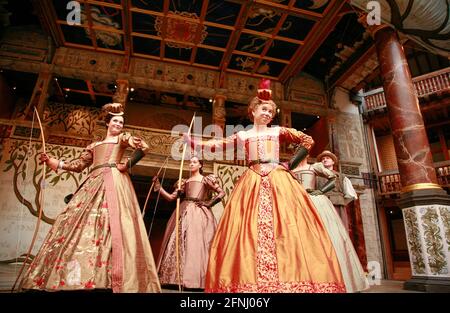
425	205
121	94
219	113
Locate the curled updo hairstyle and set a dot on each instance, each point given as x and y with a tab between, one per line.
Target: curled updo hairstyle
108	118
258	101
111	110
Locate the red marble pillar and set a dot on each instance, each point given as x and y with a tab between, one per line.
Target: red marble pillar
423	202
410	139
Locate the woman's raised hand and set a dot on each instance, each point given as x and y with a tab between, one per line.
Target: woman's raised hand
43	158
157	185
137	142
50	162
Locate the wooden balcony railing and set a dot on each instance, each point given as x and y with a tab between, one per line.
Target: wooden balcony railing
389	181
431	83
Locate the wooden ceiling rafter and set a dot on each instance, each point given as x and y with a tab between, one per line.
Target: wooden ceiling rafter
157	58
234	38
127	45
103	4
92	34
95	27
212	24
199	29
223	50
269	42
354	66
75	45
47	16
313	40
162	49
290	9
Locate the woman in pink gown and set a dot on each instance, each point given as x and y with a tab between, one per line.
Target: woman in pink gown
197	228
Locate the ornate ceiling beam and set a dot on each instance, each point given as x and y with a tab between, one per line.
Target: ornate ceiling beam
126	25
91	30
269	42
47	16
232	43
350	69
199	29
162	50
314	40
290	9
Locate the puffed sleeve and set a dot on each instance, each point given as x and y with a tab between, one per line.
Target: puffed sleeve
213	184
295	136
128	140
321	170
85	160
182	187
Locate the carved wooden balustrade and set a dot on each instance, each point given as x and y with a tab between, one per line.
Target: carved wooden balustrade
431	83
389	181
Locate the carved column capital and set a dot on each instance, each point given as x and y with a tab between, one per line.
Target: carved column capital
121	94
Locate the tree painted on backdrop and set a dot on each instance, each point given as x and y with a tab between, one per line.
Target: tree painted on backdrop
24	161
74	119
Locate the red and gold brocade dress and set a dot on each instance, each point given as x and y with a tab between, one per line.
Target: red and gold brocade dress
270	237
99	241
197	229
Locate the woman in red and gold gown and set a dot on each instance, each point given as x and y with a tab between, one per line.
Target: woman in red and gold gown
99	241
270	237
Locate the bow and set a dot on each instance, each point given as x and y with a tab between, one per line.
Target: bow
41	202
156	203
177	212
152	185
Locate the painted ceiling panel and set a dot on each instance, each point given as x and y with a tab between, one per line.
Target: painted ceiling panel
144	23
204	33
425	22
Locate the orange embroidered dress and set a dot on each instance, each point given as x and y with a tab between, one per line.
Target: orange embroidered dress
270	237
99	241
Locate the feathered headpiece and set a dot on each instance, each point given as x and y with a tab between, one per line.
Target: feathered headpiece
113	108
264	91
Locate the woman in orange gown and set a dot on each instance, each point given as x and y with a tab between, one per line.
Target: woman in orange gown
270	237
99	241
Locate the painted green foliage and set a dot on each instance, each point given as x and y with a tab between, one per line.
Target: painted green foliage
24	163
227	174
